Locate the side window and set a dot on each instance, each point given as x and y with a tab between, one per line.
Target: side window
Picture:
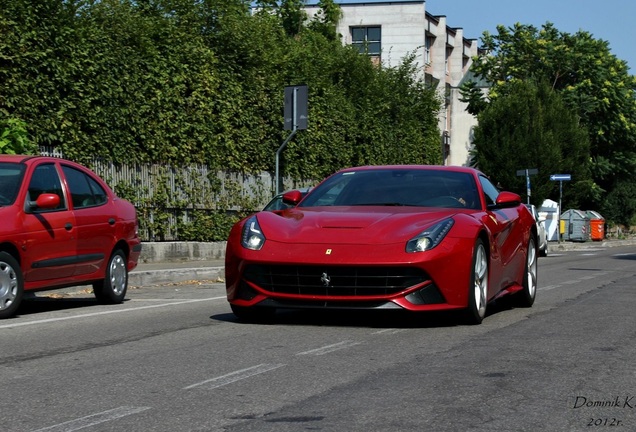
85	191
45	179
490	191
10	181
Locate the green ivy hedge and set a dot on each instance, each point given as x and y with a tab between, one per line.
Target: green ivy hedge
179	82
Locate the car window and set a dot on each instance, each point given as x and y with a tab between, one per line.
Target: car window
276	204
11	175
85	191
45	179
490	190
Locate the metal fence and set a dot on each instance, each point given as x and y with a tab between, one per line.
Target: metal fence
180	183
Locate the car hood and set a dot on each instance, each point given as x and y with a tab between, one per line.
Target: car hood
349	225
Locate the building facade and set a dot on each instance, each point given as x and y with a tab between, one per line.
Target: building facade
388	31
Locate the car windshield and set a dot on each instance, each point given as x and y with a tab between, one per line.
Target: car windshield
10	180
396	187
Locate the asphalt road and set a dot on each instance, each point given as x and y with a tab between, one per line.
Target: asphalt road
172	358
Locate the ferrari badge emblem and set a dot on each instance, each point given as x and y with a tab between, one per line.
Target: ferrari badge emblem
325	279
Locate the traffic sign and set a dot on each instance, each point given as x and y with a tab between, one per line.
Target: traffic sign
560	177
296	107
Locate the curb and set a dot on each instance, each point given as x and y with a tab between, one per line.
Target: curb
569	246
153	277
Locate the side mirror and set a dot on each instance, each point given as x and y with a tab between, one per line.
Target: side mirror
292	197
45	201
508	200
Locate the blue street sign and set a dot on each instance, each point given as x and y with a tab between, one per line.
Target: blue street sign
560	177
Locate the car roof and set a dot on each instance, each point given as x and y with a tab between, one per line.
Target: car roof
416	167
15	158
34	159
27	158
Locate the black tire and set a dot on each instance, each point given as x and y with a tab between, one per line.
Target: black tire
478	287
113	288
253	314
11	285
525	297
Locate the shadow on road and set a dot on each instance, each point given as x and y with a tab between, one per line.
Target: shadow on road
379	319
41	304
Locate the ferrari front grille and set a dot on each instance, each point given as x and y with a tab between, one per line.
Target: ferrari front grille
334	280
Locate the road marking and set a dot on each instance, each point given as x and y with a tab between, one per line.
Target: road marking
390	331
573	281
235	376
330	348
94	419
94	314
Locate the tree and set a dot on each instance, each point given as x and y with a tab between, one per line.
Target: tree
327	19
202	81
14	137
292	16
591	81
531	127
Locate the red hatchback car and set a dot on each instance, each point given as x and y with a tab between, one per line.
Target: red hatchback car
61	225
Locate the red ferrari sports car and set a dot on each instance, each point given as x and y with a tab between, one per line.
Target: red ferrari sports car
61	226
418	238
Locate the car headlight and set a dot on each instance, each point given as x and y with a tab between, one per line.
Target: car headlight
431	237
252	236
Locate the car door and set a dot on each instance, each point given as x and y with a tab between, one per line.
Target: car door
49	234
503	224
95	219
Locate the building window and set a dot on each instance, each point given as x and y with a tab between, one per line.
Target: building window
428	46
449	52
367	40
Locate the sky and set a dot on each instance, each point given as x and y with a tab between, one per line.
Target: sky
610	20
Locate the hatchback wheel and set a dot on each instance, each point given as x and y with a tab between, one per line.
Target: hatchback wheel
11	285
113	288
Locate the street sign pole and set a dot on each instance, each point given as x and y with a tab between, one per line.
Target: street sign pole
527	172
560	178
